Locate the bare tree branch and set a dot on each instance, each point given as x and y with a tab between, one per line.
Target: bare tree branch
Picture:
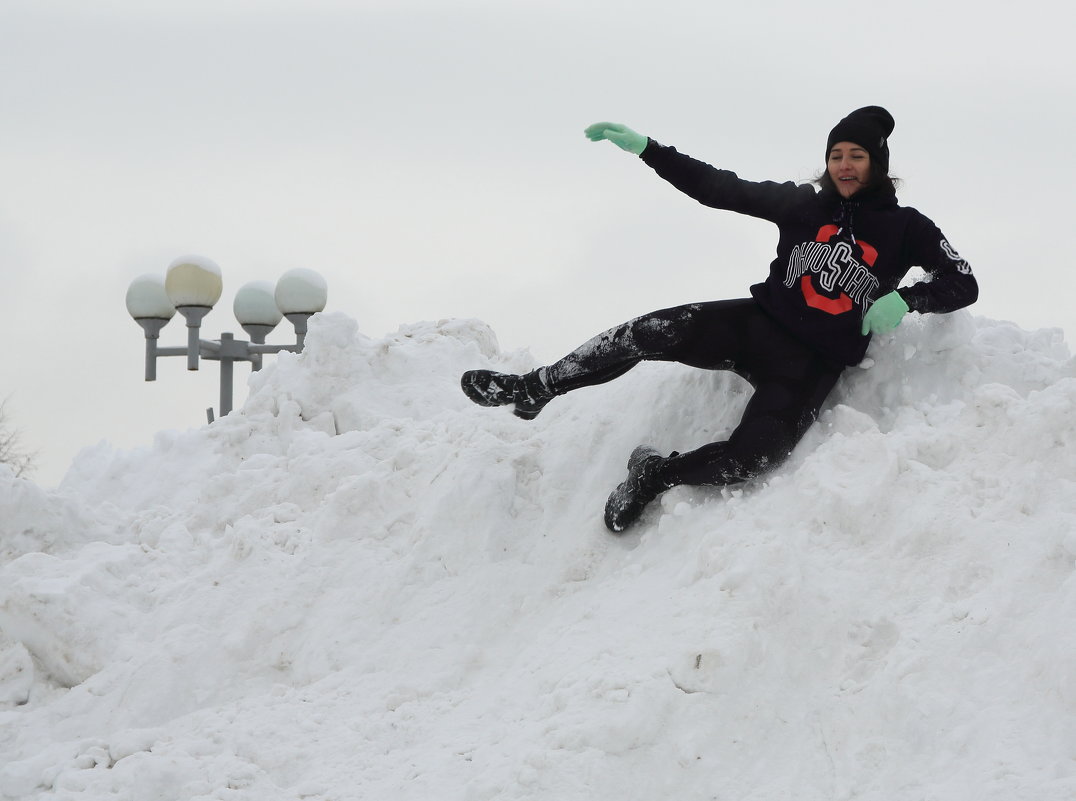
12	452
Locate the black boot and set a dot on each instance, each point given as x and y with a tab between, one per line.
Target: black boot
627	501
530	393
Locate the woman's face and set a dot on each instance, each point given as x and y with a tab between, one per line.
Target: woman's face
849	166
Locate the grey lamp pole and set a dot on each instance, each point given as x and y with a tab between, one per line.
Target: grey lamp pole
192	285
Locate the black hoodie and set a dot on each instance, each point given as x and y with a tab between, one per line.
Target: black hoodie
835	257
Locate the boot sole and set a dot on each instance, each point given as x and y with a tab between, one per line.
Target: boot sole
476	393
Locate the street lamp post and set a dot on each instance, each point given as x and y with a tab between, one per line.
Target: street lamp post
192	286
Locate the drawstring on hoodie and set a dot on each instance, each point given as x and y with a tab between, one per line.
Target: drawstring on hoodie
845	218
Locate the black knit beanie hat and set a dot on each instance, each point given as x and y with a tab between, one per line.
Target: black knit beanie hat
869	127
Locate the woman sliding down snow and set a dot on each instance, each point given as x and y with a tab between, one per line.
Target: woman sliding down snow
841	254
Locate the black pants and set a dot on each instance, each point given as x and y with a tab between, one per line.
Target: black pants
790	380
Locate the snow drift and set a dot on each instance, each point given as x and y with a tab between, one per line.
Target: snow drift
361	586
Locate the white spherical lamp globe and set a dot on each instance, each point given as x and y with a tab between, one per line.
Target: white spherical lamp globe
148	300
255	304
301	291
193	281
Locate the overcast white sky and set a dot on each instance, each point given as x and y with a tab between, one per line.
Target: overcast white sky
428	159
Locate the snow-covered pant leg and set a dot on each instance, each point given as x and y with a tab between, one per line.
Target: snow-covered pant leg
776	418
791	381
665	335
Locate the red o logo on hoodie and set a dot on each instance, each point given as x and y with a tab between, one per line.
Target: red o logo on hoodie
842	303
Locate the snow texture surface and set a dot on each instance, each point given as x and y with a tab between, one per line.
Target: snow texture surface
362	586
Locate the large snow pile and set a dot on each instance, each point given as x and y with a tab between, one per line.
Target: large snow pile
361	586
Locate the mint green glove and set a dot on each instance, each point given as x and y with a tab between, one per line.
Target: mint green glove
885	314
620	135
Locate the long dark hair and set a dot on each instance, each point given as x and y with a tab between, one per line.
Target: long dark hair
879	179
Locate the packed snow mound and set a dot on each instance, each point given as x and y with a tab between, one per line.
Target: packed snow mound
362	586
